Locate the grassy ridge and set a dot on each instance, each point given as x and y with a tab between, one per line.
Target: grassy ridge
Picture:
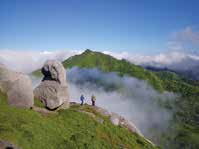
107	63
161	81
67	129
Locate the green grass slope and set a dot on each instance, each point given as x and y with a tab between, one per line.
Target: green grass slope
67	129
107	63
185	124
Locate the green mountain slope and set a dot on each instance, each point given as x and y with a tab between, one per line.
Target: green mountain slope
162	80
159	80
107	63
66	129
184	126
175	83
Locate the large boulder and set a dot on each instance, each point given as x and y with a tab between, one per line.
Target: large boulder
17	86
54	70
53	90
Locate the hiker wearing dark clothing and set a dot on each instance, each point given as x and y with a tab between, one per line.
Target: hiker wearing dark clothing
82	99
93	99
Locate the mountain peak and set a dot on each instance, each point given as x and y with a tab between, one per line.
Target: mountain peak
87	51
107	63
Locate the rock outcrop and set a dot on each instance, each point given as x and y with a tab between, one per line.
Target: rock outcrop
115	119
53	90
118	120
7	145
17	86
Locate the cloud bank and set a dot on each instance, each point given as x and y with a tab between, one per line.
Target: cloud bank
188	35
178	61
28	61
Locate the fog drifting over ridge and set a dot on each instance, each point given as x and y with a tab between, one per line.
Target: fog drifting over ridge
28	61
132	98
178	61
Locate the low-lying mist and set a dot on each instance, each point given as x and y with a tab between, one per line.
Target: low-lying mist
134	99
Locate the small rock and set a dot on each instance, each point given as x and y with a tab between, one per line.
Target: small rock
102	111
7	145
114	120
130	126
98	119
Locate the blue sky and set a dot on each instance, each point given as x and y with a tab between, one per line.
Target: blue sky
142	26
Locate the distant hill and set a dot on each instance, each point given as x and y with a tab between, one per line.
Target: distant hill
161	80
107	63
192	73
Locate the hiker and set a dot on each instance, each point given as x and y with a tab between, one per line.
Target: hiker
93	99
82	99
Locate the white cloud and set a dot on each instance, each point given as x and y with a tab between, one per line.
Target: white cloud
162	58
187	34
174	45
28	61
179	61
184	39
132	98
